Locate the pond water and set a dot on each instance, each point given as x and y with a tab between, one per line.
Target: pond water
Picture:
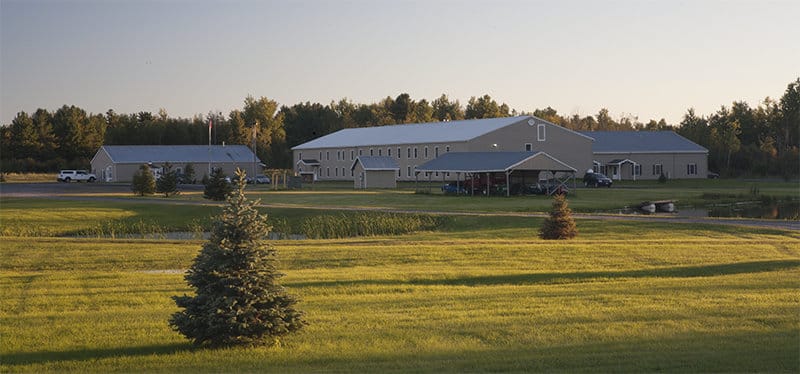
777	210
784	210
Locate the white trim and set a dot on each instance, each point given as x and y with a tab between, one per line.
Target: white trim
646	152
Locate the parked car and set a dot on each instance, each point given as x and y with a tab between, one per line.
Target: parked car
259	179
454	188
596	180
76	175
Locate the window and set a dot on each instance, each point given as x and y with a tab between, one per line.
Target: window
691	169
329	171
658	169
447	148
409	152
344	172
426	152
437	173
540	134
299	156
320	156
328	155
360	152
435	152
336	171
415	153
370	152
637	169
352	155
399	173
408	172
528	147
398	153
380	152
388	152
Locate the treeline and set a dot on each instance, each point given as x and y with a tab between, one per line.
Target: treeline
741	139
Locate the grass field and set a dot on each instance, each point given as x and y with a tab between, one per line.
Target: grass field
687	193
481	294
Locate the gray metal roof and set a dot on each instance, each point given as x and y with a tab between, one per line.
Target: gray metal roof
642	142
376	163
128	154
474	162
432	132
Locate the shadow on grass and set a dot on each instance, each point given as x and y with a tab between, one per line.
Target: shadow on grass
28	358
579	277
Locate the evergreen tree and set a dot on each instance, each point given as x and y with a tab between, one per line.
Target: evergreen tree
188	174
168	183
217	188
237	298
143	181
560	224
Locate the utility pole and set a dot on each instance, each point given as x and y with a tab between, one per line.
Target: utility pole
255	133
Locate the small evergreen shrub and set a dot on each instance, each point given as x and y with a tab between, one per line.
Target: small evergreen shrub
217	188
143	181
559	225
662	178
168	183
238	301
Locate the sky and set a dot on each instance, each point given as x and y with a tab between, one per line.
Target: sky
647	59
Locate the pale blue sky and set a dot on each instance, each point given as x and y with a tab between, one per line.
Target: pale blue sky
650	59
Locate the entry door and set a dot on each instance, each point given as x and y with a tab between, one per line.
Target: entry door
615	172
109	173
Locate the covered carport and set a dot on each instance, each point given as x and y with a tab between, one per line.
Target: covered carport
510	168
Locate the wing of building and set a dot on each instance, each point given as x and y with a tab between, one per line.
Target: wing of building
330	157
118	163
631	155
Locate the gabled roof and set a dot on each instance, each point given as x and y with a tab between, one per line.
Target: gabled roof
308	162
482	162
140	154
376	163
431	132
642	142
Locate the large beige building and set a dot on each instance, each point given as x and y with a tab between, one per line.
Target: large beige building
330	157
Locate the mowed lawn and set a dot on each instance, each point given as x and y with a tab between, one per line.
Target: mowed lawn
623	297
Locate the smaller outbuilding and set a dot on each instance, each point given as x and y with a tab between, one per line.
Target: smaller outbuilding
374	172
118	163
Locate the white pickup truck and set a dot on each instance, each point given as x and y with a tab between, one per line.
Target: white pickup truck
76	175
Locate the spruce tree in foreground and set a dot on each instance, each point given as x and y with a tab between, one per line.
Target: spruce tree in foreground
143	181
238	301
559	225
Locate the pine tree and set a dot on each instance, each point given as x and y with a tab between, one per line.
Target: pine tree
188	174
143	181
217	188
238	300
168	183
559	225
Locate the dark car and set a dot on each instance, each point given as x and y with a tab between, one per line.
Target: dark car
454	188
596	180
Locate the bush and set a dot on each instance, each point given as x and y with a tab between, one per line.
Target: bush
143	181
559	225
662	178
168	183
188	174
217	188
238	300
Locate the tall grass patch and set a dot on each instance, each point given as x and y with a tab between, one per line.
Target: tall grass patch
346	225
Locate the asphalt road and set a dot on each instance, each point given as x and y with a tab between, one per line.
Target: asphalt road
84	191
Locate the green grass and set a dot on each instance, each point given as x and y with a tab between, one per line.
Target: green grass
482	295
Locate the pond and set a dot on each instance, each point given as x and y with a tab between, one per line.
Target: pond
776	210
